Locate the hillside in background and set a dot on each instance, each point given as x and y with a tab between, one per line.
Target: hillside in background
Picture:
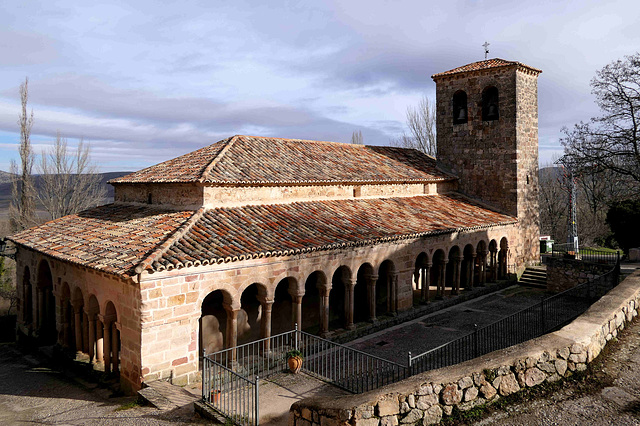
5	188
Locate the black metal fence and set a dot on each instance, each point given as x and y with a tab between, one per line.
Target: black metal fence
586	254
534	321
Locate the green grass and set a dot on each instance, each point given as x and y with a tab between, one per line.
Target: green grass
137	402
602	249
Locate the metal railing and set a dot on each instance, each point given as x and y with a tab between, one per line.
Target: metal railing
231	394
345	367
586	254
534	321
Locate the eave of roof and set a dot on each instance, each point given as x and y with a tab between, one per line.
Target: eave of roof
485	65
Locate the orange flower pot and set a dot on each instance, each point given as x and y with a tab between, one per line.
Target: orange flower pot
295	364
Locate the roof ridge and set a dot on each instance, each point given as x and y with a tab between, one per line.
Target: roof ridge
299	140
166	245
217	158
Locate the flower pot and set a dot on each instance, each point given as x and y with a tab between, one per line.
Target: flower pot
215	396
295	364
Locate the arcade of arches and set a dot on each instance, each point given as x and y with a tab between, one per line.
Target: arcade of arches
333	300
69	317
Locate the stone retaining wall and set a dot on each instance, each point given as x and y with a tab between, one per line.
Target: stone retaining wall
427	397
563	274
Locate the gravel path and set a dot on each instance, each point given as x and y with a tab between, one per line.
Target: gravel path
30	393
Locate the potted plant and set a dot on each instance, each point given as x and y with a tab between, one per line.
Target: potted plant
294	359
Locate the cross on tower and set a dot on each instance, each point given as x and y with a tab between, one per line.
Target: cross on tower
486	49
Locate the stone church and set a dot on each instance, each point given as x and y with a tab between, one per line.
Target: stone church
244	238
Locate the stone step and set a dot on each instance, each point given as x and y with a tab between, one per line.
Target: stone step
165	396
534	277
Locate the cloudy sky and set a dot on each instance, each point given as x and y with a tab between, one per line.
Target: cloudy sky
144	81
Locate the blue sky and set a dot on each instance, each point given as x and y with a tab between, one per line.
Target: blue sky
145	81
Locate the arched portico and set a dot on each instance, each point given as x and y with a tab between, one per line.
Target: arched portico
365	289
386	289
422	277
46	306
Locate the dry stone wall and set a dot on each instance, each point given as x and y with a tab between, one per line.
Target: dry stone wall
563	274
429	397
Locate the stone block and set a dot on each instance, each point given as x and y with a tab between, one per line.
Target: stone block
581	357
547	367
437	388
465	382
534	376
508	385
451	395
404	407
388	407
367	422
178	299
504	370
426	401
425	389
479	379
389	421
306	414
581	367
564	353
470	394
411	400
561	366
577	348
412	416
488	391
447	409
432	416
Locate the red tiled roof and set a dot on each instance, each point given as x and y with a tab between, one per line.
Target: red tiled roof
229	234
112	238
486	64
262	160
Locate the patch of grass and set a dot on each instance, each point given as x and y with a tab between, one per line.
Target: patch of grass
137	402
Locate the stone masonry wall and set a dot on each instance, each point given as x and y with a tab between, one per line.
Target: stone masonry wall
428	397
563	274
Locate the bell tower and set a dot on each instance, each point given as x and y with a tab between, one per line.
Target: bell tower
487	134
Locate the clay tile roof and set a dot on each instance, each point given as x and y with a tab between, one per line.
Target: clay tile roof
230	234
263	160
483	65
112	238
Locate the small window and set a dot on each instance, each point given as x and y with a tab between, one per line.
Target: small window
490	105
460	112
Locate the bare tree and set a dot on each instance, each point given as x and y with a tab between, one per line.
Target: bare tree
553	202
22	211
611	141
70	182
356	138
8	289
422	127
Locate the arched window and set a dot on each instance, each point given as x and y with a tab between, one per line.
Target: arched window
490	105
460	111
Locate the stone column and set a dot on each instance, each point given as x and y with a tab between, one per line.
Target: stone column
393	295
349	286
78	327
115	341
472	270
39	307
442	275
232	330
85	332
324	310
92	337
426	282
457	263
265	323
99	341
65	324
494	266
297	309
483	268
107	346
371	294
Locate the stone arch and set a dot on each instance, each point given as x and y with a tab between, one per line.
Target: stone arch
490	104
386	288
315	303
467	269
286	301
111	339
250	315
493	262
340	299
421	278
452	272
365	290
27	297
460	109
438	271
503	257
213	321
46	311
